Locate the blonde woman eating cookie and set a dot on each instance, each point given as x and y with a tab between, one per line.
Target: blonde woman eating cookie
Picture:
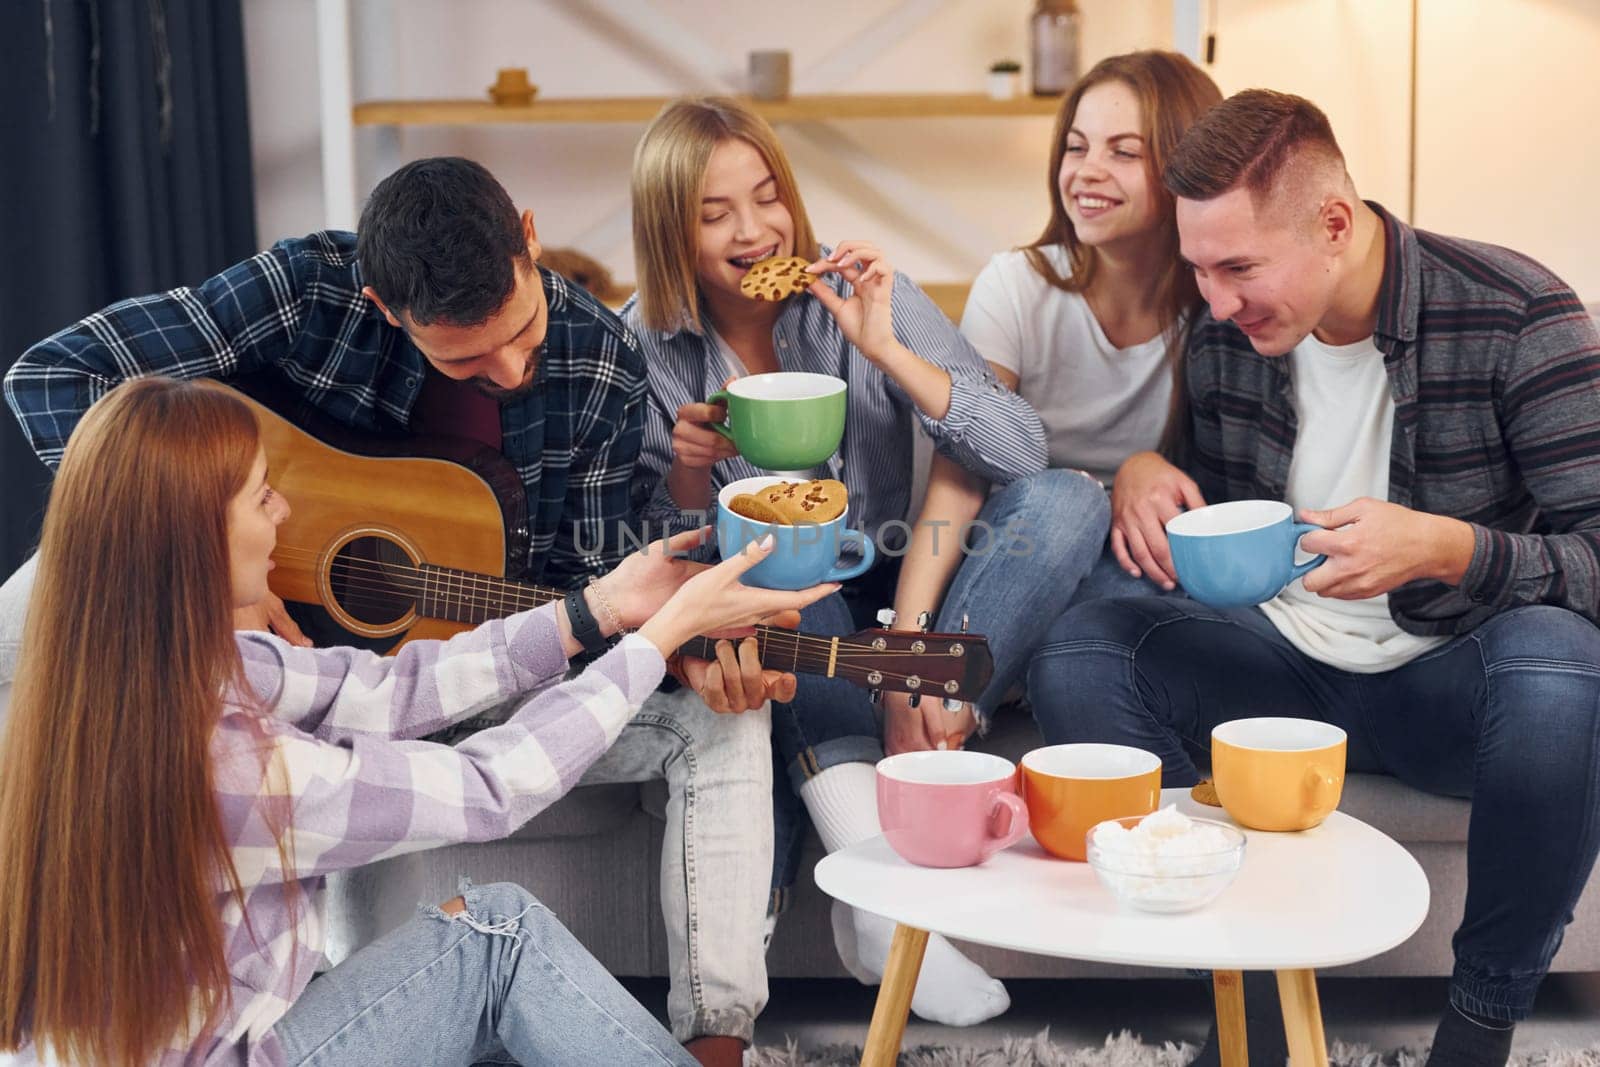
714	200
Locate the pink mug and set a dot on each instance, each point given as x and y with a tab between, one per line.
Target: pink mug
941	809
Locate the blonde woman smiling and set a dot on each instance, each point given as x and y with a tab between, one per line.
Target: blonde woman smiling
713	194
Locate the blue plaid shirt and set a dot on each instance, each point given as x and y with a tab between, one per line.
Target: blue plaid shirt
296	310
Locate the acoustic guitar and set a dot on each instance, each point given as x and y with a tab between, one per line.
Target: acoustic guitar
400	538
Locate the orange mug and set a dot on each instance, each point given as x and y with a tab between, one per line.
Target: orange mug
1071	788
1278	773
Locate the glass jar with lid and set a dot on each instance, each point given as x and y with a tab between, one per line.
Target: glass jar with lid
1053	35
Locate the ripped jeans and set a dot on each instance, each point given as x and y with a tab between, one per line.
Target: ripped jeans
501	982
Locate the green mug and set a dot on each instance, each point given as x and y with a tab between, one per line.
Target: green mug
786	421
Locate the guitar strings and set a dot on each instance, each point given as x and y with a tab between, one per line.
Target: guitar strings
775	656
777	641
780	645
491	594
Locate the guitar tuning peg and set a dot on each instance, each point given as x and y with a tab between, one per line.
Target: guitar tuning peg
874	695
952	705
887	616
963	622
916	700
924	620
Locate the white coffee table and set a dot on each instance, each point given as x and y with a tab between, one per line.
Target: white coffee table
1335	894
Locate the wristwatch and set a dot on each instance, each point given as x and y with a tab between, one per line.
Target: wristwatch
584	625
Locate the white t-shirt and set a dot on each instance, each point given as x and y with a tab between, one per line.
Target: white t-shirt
1099	404
1341	452
733	366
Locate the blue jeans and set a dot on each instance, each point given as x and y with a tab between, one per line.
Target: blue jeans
1048	533
717	768
502	982
1508	715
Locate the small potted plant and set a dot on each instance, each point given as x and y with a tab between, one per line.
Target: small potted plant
1005	79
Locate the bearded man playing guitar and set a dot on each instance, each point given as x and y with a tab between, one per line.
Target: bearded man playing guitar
436	318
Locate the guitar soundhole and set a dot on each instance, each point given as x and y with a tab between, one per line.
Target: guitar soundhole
374	580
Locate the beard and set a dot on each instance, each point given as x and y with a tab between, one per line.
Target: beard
504	396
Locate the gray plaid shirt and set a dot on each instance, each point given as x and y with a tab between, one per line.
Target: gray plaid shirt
1495	369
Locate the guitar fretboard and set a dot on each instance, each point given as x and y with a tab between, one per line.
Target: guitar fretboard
470	598
779	650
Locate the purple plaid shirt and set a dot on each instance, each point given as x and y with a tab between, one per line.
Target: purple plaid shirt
336	746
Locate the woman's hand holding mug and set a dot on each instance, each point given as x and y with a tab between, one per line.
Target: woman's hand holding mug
696	449
695	444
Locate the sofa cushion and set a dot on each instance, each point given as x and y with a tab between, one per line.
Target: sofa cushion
587	810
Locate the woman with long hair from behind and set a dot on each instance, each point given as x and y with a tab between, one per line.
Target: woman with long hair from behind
171	792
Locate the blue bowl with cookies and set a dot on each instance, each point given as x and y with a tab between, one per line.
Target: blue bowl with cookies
807	519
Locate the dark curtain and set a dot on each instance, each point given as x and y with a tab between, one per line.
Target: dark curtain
124	170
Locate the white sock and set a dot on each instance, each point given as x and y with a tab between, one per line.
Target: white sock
843	802
951	989
767	930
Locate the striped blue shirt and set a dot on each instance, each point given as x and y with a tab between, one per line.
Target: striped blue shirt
296	310
988	429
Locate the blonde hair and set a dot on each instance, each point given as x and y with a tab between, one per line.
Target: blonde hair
669	169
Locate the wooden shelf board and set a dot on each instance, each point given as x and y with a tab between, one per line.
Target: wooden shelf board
643	108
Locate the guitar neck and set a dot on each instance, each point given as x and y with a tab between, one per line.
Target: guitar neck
465	597
779	649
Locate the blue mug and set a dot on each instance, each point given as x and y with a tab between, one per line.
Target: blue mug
805	555
1240	553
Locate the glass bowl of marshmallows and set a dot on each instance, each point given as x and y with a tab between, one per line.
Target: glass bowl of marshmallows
1165	861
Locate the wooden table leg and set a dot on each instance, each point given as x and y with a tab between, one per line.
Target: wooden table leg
894	997
1302	1018
1229	988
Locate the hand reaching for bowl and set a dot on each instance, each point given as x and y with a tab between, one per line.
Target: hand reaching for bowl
925	727
714	601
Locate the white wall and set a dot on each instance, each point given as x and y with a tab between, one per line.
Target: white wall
281	65
1505	151
1351	57
1508	146
982	179
1508	141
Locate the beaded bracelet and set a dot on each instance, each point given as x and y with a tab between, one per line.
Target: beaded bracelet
605	606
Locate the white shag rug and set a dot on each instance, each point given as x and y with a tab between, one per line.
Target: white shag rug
1119	1050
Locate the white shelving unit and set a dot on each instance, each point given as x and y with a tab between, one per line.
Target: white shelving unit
342	114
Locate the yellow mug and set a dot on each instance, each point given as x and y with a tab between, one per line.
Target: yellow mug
1278	773
1071	788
